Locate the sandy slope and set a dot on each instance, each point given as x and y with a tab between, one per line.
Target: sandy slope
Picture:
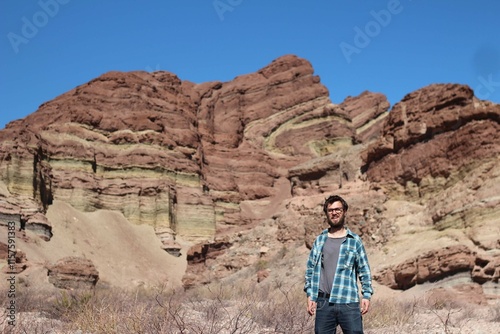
125	255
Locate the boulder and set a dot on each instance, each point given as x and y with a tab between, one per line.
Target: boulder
72	273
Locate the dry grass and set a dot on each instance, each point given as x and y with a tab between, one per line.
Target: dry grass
274	307
431	315
389	313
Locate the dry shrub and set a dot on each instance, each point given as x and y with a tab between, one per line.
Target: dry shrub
27	299
119	311
284	310
218	308
389	313
32	323
240	308
423	314
31	314
451	314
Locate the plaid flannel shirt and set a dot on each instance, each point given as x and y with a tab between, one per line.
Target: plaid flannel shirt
352	263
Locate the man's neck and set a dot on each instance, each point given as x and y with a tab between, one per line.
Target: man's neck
337	232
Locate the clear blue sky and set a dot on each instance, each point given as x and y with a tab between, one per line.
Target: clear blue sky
48	47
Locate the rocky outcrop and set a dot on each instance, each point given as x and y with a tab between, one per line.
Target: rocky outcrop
25	214
72	273
439	147
435	132
428	267
100	146
439	264
486	268
167	238
201	257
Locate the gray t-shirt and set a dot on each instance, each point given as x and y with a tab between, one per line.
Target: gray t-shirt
329	260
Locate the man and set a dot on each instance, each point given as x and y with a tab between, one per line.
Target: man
336	260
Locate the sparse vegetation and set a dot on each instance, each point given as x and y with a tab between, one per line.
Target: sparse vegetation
273	307
211	309
237	305
390	313
261	265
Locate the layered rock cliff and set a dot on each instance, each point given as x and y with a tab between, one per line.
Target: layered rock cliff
240	169
167	152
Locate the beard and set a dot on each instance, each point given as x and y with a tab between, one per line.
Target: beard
336	223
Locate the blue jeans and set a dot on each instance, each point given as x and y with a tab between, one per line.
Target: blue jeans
329	315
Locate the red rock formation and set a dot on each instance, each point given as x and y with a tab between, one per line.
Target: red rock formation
486	269
439	147
439	264
431	132
178	145
73	273
198	256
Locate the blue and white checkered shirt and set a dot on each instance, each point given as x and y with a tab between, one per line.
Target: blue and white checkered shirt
352	263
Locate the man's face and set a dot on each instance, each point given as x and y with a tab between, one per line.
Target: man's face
335	214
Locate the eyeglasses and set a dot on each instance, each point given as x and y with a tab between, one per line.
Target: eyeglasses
336	210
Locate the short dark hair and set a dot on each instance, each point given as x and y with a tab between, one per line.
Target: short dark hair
333	199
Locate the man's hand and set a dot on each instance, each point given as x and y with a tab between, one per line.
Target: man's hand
311	306
365	305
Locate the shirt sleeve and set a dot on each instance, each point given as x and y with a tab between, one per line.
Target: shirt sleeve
309	272
364	273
